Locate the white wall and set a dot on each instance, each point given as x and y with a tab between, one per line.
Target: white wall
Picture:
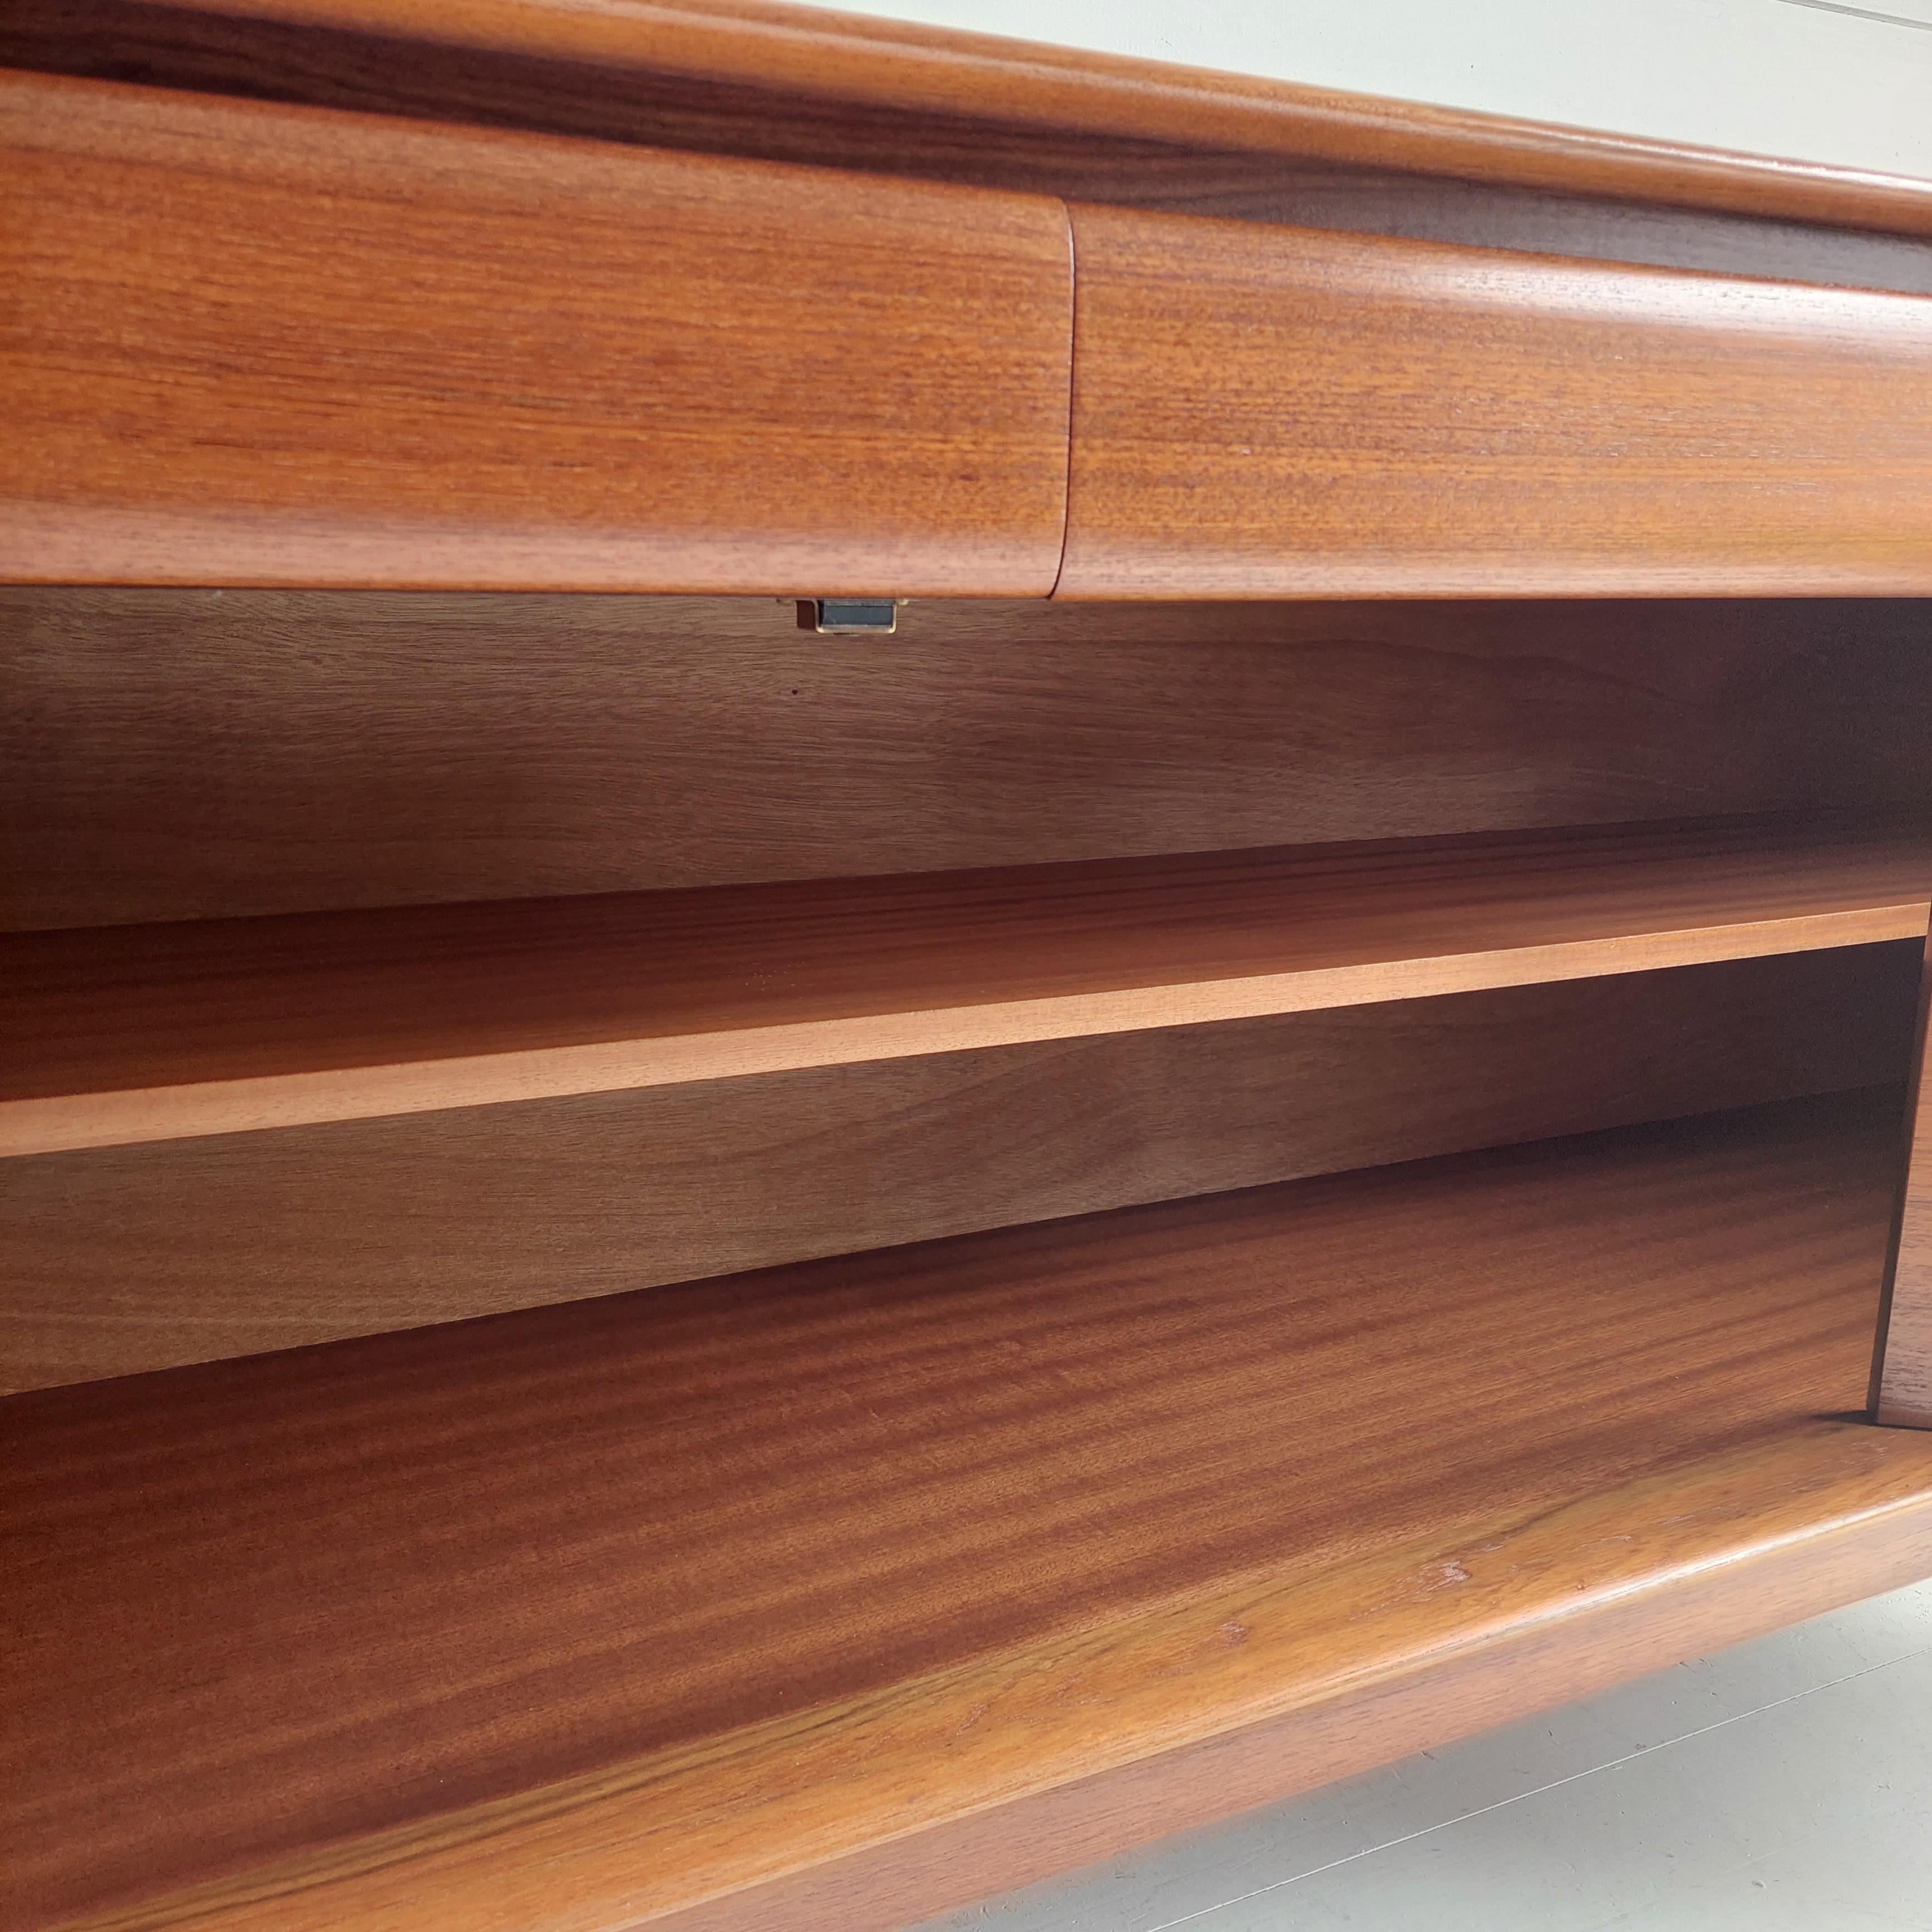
1808	78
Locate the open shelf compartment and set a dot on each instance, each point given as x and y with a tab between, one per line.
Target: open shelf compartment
841	1592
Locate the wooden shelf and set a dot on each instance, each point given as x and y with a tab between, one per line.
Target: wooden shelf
841	1592
138	1034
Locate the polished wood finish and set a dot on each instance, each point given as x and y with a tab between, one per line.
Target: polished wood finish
1747	1593
123	1260
316	64
1291	413
430	355
1901	1384
834	1595
820	53
176	754
638	1604
149	1032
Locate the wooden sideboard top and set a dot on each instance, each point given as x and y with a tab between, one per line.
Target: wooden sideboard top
784	83
853	58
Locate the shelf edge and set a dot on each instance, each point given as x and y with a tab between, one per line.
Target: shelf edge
880	1810
72	1122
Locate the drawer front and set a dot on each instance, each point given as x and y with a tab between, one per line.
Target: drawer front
1266	411
243	343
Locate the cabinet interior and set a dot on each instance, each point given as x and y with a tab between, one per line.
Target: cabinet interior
1076	1151
387	959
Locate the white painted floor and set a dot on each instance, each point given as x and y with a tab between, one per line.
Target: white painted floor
1786	1784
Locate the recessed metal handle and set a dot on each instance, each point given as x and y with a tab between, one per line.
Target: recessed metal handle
848	616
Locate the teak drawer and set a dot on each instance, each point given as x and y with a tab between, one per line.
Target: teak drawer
281	345
1267	412
254	343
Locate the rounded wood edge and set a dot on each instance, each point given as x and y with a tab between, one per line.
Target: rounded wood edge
849	57
1763	1535
1197	1786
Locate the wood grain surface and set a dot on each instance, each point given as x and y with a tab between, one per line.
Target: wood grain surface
321	65
1783	1581
122	1260
1901	1384
249	343
1295	413
847	59
173	754
618	1609
134	1033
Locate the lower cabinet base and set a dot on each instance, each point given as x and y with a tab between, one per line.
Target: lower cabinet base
1425	1702
841	1592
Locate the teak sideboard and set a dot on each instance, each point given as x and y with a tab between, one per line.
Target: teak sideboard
917	953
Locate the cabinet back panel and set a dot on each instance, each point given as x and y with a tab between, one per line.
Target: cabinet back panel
176	754
134	1257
